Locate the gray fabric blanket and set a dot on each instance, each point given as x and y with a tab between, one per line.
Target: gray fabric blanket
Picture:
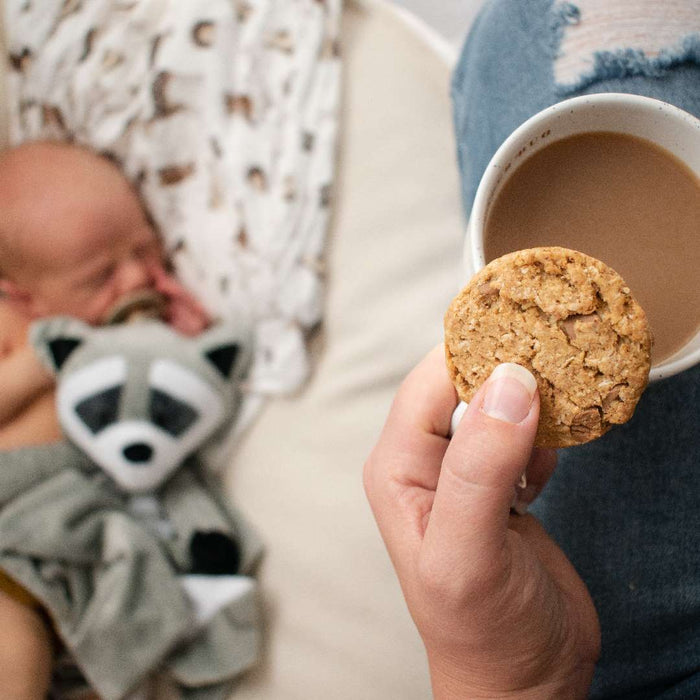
113	585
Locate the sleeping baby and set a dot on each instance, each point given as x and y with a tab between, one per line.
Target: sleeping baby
74	240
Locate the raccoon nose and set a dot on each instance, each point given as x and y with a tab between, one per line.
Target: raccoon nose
138	452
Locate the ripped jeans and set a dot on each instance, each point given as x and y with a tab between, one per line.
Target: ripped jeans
624	508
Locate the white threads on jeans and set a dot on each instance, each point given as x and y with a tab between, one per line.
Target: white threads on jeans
629	37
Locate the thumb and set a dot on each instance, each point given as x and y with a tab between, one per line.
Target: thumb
488	453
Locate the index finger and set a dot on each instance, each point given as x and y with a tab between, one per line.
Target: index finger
402	471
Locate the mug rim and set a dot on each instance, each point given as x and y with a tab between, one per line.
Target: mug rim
493	174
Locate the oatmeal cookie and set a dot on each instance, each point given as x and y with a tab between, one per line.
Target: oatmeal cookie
569	319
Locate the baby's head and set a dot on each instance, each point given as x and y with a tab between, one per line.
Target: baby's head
74	238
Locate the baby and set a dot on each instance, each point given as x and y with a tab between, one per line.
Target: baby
75	240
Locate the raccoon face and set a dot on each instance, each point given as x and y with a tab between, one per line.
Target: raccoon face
176	411
140	398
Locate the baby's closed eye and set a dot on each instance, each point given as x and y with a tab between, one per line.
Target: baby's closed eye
101	276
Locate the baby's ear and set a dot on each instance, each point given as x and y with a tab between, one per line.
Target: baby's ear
55	339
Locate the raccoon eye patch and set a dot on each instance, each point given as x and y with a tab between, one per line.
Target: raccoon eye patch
100	410
171	415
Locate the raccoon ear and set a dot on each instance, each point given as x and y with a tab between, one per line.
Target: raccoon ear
61	348
223	358
56	338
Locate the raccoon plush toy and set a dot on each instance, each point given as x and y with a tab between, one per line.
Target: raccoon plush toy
133	553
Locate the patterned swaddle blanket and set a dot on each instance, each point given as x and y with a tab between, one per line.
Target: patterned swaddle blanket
224	114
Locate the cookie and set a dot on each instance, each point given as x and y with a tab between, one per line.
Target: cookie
569	319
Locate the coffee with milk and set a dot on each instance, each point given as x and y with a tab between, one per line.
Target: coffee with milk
623	200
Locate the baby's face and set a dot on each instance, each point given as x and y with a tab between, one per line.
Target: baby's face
113	252
85	242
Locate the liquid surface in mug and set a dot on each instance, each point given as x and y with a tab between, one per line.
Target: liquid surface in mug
622	200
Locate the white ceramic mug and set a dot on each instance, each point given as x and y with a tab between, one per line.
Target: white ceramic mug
663	124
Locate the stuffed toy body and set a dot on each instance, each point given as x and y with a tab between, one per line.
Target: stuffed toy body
120	531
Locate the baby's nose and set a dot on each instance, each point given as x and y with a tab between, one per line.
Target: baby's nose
135	275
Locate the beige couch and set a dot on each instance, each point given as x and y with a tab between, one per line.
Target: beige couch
337	628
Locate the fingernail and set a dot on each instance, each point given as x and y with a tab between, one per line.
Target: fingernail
509	392
457	415
520	499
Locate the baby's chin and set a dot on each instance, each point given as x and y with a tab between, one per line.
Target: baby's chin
143	303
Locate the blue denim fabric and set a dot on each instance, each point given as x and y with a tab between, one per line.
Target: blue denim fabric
624	508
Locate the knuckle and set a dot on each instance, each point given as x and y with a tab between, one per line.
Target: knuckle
369	475
439	582
464	585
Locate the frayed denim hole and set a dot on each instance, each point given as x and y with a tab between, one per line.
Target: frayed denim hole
563	15
623	62
627	62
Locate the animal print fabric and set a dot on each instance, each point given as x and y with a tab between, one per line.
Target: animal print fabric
224	115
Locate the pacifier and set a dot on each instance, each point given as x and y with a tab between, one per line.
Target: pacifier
144	304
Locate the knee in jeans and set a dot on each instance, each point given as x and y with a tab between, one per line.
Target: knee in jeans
601	40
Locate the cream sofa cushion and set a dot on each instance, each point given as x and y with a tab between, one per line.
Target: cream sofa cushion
337	624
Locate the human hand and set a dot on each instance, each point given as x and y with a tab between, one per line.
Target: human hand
183	312
23	378
500	609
